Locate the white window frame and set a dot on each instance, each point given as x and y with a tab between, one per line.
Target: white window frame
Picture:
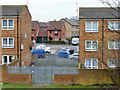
114	43
7	59
91	67
113	66
7	24
113	28
91	30
57	39
7	45
56	32
91	49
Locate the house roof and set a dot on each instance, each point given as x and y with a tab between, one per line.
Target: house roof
42	33
11	10
71	21
56	25
98	12
34	24
43	24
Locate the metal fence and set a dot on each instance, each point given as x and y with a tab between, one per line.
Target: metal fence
42	74
19	70
55	70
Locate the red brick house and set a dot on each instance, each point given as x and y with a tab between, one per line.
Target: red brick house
15	35
35	30
42	35
56	31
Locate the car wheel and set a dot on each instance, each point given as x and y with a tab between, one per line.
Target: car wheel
72	58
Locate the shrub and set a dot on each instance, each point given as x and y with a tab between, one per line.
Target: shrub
55	42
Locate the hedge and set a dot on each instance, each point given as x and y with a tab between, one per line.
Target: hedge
55	42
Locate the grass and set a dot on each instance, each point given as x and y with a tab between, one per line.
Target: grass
17	85
75	86
69	86
54	86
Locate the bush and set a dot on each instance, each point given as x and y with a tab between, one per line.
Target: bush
55	42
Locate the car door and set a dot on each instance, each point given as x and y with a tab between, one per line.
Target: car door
76	56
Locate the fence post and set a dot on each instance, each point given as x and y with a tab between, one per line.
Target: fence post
32	73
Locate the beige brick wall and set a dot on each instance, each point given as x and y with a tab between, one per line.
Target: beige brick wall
108	35
8	33
0	44
25	28
69	29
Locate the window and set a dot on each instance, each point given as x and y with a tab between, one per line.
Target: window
112	63
114	25
56	32
7	42
91	26
91	45
7	59
56	39
91	63
7	24
113	44
50	31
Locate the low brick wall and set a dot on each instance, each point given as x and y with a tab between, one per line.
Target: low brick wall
64	79
15	78
85	77
88	77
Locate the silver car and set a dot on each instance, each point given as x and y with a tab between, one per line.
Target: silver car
74	56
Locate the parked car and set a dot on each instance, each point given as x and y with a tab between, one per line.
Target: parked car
63	54
74	56
47	49
70	51
40	52
75	41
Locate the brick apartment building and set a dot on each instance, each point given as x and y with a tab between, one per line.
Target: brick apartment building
15	35
99	38
56	31
72	27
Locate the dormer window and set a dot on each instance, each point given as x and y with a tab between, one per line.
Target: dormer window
56	32
7	24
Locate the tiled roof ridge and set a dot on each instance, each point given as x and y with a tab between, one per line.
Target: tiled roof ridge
96	7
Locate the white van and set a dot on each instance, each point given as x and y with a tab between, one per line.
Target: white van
75	41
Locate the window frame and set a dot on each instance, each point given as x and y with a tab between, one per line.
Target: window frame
114	24
91	30
91	63
57	39
114	47
113	66
7	24
8	56
55	32
7	45
91	49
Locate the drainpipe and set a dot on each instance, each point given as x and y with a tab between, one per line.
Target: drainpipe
17	38
102	42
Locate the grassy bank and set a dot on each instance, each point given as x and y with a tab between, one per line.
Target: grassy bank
17	86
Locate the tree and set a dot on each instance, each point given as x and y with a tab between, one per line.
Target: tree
115	5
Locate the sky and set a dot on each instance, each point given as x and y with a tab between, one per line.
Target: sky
49	10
